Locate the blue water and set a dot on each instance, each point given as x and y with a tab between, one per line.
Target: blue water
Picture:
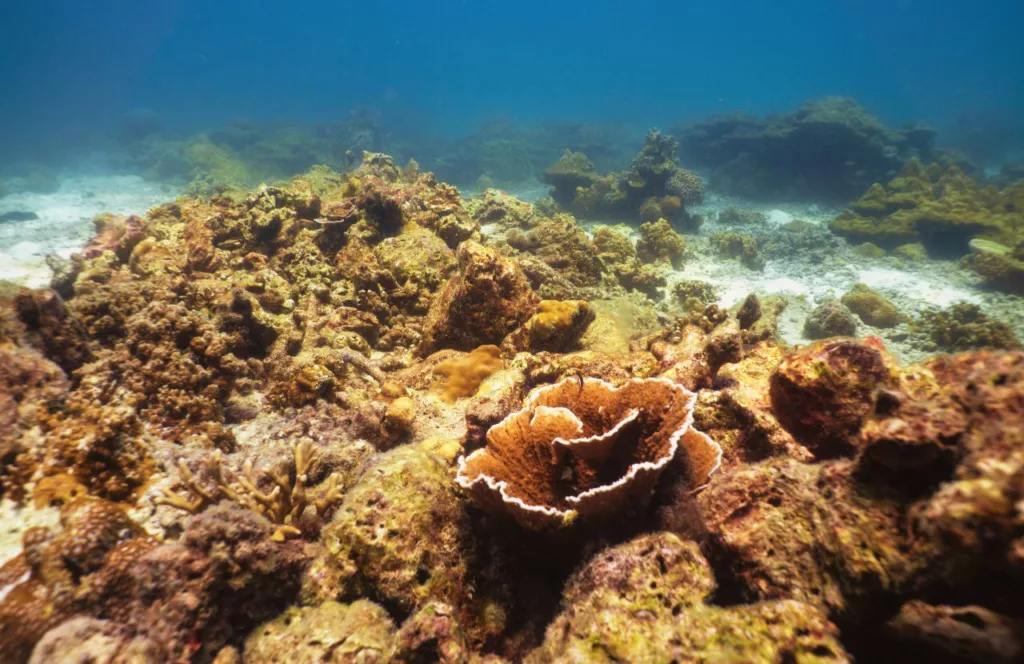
71	68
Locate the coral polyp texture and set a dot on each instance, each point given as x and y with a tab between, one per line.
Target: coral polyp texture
584	448
354	416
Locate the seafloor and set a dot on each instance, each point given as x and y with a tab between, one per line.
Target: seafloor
358	417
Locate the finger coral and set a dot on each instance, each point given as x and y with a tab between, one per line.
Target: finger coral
281	494
586	448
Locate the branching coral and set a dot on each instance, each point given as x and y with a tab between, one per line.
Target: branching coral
583	448
286	498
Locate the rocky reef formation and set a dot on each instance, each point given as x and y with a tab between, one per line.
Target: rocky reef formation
828	150
654	187
336	419
940	207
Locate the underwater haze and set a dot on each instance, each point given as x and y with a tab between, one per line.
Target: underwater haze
512	332
73	68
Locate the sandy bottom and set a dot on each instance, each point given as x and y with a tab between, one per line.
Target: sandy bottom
64	223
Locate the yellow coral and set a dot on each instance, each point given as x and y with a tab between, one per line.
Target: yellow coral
461	376
871	307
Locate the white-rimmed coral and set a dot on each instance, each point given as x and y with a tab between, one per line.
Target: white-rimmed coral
585	448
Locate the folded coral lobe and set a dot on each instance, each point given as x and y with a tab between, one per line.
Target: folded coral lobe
582	447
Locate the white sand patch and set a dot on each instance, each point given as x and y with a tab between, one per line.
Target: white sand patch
925	291
64	224
15	519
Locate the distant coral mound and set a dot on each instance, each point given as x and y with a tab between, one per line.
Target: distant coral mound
827	150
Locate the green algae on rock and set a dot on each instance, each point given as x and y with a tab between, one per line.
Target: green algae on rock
330	632
646	600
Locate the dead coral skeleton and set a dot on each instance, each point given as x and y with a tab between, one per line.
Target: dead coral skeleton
283	504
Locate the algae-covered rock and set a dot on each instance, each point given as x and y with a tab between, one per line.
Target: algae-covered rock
397	536
654	187
1001	267
95	641
361	632
914	252
810	532
821	393
694	294
869	250
616	251
871	307
965	633
432	634
488	298
567	174
831	318
739	246
736	216
644	601
659	242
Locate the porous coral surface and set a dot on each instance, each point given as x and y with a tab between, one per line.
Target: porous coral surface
354	417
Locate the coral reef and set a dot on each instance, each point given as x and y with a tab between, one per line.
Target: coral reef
870	307
654	187
586	449
828	150
938	206
964	326
352	417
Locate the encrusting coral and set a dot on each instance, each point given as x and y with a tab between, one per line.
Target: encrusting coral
583	448
871	307
333	417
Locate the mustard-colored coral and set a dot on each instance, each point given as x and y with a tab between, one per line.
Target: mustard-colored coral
556	327
871	307
939	206
660	242
460	377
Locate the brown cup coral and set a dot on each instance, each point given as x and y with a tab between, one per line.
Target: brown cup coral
584	448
